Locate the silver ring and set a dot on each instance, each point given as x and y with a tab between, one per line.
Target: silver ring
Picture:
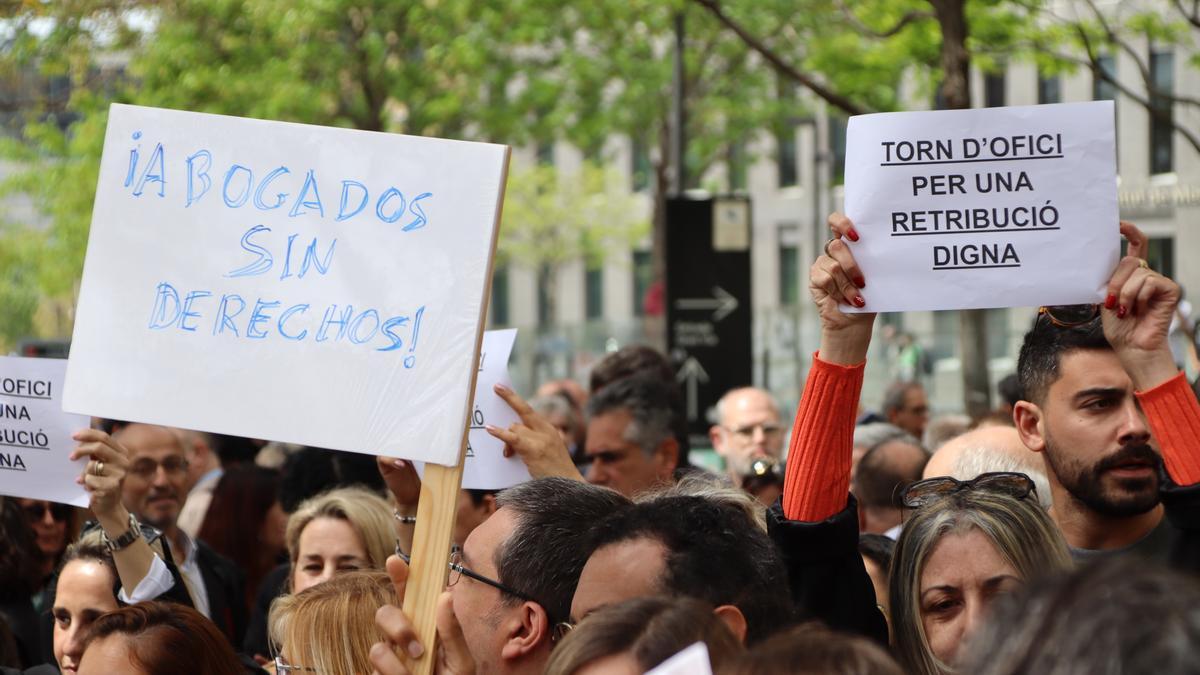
827	246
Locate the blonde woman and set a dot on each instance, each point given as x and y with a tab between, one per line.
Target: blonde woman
342	530
966	544
329	627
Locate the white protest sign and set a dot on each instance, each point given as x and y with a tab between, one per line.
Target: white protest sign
692	660
35	434
288	282
485	466
998	207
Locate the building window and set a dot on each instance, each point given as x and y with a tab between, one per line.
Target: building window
789	266
1162	122
643	276
640	164
545	153
785	156
993	89
499	296
735	160
593	291
1049	89
837	143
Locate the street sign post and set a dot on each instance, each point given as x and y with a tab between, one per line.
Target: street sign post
708	302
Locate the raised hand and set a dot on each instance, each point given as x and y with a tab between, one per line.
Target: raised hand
836	278
535	440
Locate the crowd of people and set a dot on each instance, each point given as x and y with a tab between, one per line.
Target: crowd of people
1058	536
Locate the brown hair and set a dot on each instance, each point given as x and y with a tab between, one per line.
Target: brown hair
812	649
234	521
330	627
651	629
167	638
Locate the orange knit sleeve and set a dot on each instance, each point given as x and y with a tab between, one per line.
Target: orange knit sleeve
818	465
1174	416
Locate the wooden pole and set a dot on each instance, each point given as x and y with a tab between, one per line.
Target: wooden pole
439	498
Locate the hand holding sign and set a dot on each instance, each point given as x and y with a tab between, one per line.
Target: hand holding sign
535	440
103	475
844	337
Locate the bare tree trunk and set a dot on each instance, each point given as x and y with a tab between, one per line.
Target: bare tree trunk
956	94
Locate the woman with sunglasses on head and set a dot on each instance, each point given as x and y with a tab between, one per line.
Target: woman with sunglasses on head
55	525
965	544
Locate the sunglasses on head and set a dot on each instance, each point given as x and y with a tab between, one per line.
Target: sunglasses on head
1069	316
924	492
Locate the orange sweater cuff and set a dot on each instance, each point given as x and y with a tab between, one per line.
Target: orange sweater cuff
818	468
1173	414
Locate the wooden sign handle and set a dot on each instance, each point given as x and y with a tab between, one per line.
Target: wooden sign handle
430	554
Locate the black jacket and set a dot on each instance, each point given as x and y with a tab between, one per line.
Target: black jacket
828	579
225	586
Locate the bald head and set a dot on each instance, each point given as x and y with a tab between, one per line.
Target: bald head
748	428
988	449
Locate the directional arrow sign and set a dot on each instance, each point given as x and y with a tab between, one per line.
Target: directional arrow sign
722	302
692	374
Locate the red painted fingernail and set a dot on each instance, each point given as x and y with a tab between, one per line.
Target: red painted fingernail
853	234
1121	312
860	281
859	302
1110	301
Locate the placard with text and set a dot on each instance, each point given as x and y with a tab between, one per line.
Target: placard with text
286	282
996	207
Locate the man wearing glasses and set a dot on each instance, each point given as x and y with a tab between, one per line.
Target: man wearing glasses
153	490
747	429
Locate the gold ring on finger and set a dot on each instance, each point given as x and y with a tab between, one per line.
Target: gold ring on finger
98	469
827	246
1143	264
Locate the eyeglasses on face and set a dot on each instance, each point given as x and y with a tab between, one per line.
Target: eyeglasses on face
1069	316
36	511
146	467
282	666
457	571
746	433
924	492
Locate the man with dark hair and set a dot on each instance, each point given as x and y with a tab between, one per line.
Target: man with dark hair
630	443
1009	389
906	406
633	360
690	546
882	474
531	550
1101	392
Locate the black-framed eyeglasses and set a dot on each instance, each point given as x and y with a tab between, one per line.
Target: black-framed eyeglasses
1069	316
924	492
36	511
457	571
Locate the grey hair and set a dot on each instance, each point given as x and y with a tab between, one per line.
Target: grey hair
1120	615
943	428
715	488
551	405
875	434
893	398
648	401
980	458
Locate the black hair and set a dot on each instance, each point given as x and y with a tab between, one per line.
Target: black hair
311	471
652	405
715	553
545	554
878	548
640	360
1042	351
1010	389
881	476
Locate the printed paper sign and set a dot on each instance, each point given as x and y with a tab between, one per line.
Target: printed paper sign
486	467
998	207
286	282
35	434
691	661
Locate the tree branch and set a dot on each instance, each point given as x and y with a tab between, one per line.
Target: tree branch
909	18
1192	17
830	96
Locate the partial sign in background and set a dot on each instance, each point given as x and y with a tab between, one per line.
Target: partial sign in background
998	207
708	302
288	282
35	434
